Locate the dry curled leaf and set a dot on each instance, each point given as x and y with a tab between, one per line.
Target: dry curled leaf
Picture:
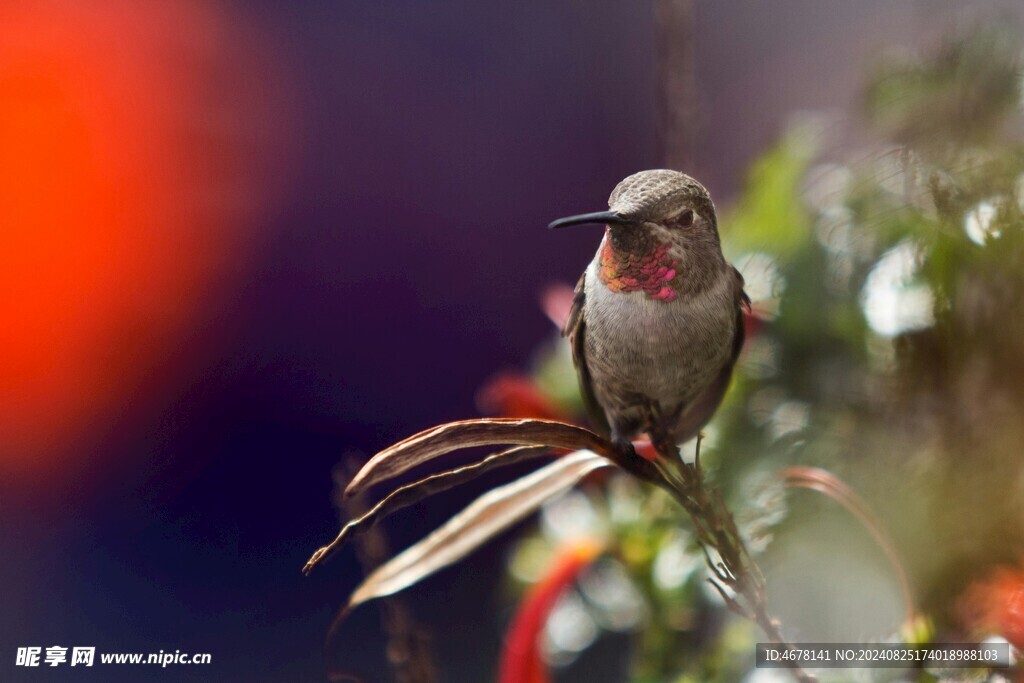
429	444
411	494
483	519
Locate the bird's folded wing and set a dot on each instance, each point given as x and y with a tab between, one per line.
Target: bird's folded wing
699	412
575	329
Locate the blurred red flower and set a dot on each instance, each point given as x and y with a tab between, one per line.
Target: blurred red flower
512	394
521	661
996	604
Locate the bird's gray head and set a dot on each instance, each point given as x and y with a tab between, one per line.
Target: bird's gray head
670	205
661	239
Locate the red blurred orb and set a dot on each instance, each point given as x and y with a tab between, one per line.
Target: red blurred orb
131	135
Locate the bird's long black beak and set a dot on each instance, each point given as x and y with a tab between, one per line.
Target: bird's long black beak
602	217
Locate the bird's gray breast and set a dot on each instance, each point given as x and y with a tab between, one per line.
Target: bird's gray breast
637	347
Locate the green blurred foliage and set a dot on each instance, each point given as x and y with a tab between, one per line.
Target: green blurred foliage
890	281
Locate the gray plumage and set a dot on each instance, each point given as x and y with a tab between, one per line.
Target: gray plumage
650	360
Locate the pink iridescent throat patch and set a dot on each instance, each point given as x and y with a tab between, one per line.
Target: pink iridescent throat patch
654	273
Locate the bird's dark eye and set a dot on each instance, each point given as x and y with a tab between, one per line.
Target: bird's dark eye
686	219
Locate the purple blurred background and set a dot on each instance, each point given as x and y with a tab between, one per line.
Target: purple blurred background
409	156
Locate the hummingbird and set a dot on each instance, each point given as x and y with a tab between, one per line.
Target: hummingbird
657	322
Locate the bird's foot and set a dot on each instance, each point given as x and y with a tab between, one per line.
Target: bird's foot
623	444
659	427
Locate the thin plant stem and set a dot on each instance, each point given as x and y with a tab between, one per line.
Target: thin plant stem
736	572
409	650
